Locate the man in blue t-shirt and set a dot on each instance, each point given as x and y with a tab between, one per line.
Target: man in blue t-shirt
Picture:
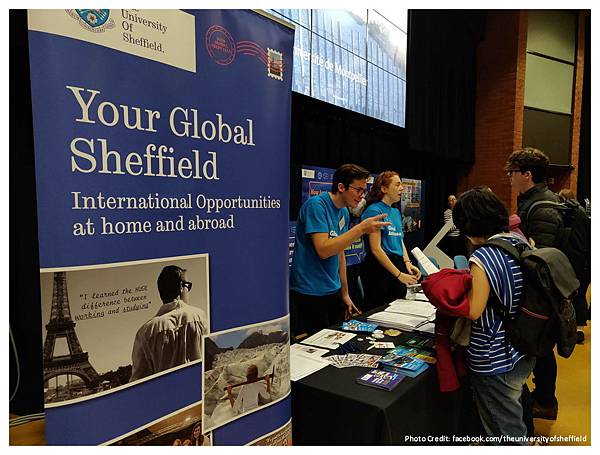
318	287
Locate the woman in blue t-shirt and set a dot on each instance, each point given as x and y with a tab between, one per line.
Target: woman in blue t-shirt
387	269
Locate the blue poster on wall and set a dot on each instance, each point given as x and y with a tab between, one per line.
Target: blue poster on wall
162	242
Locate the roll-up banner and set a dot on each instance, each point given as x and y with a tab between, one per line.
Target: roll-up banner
162	144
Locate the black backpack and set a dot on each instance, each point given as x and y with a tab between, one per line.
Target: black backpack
575	238
546	316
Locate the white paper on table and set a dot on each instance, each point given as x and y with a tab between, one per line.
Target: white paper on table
429	327
424	261
328	339
310	351
414	307
420	296
302	365
397	319
382	345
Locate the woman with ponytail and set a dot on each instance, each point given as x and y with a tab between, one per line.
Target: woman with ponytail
387	268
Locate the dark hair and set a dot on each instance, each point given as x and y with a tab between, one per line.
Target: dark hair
382	180
200	437
346	174
169	283
252	373
529	159
479	213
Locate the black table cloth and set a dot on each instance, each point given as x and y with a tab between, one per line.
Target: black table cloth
330	408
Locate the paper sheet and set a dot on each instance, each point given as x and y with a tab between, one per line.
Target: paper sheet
302	365
328	339
309	351
424	261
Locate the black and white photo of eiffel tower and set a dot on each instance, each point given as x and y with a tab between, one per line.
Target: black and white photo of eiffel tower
91	316
80	376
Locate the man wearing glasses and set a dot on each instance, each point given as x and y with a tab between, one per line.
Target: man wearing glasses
174	336
318	287
526	170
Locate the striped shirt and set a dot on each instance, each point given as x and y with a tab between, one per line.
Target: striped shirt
453	232
489	351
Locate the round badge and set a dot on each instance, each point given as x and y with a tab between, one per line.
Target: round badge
378	335
220	45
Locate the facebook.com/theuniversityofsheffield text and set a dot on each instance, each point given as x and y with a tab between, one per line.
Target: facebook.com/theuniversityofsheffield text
454	439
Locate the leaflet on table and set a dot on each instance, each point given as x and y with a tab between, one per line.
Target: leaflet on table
411	352
380	379
403	364
428	327
416	340
308	350
399	321
414	307
381	345
403	360
409	373
328	339
419	296
424	261
358	326
302	364
354	360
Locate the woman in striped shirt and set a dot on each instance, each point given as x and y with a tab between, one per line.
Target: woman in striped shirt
497	370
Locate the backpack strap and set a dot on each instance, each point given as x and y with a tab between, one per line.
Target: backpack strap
515	253
543	203
494	301
508	248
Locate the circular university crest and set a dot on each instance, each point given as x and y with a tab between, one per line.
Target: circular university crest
94	20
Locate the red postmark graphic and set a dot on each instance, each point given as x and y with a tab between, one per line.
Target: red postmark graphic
220	45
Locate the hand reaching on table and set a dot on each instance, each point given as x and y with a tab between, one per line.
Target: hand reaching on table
351	309
414	270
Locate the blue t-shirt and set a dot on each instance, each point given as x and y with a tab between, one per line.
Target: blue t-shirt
391	236
489	351
310	274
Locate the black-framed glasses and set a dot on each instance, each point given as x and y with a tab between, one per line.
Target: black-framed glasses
510	172
360	191
187	284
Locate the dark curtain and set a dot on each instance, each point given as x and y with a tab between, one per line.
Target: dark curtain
328	136
24	307
584	178
440	101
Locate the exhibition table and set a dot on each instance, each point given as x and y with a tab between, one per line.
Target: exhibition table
330	408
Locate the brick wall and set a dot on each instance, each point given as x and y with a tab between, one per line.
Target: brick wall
500	101
571	177
499	104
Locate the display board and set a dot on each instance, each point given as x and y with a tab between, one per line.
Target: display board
160	234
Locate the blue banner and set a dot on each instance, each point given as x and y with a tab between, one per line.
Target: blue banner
162	149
